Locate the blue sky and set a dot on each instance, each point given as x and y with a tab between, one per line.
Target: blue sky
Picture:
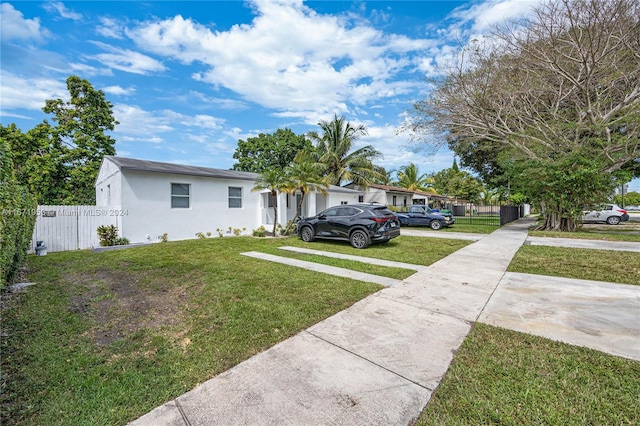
189	79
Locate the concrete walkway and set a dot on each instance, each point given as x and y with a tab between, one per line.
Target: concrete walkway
378	362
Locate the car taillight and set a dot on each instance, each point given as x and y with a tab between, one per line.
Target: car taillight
622	211
379	219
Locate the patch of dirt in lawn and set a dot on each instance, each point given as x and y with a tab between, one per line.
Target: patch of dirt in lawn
120	305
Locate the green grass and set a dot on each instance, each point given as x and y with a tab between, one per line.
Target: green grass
472	228
503	377
599	265
104	338
619	234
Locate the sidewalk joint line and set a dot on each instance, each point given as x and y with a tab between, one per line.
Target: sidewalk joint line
371	362
182	413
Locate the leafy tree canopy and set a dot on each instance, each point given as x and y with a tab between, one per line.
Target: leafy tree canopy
559	89
340	161
457	183
409	177
265	151
59	163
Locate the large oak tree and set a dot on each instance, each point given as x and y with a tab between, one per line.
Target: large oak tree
553	101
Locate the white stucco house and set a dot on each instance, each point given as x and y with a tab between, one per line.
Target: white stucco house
396	196
153	198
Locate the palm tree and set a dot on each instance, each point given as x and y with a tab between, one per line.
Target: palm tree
409	177
304	176
274	179
333	152
385	177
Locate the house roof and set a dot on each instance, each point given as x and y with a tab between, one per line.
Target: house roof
389	188
392	188
178	169
334	188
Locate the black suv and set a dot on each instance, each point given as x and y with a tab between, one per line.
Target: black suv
360	224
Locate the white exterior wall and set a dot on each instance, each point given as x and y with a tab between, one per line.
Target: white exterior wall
337	198
146	199
109	185
374	195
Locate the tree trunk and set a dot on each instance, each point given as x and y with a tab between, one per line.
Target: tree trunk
274	194
298	212
558	221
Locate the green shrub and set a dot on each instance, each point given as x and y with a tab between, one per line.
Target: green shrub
260	232
108	235
121	241
17	219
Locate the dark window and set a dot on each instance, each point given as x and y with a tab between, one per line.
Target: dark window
347	211
331	212
394	200
235	197
180	195
361	198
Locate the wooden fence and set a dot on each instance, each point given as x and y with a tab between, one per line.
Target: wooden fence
64	228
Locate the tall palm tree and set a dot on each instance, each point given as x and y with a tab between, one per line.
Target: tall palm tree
409	177
304	175
333	151
385	177
275	180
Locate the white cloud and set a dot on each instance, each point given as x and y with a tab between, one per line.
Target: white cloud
127	60
119	91
61	9
289	58
16	27
88	70
136	121
29	93
484	16
199	120
110	28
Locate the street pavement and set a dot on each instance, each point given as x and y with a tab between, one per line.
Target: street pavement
379	361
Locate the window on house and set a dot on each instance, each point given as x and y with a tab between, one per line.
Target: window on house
272	200
394	201
287	195
361	198
405	201
180	195
108	195
342	203
235	197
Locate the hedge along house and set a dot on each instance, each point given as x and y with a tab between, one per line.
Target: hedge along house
153	198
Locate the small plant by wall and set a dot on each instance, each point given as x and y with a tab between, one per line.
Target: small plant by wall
109	236
260	232
230	230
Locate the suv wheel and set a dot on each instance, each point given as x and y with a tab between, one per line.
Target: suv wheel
613	220
435	225
306	234
359	239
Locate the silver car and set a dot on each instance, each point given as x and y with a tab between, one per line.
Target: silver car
611	214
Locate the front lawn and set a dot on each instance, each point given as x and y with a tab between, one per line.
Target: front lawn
599	265
103	338
502	377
